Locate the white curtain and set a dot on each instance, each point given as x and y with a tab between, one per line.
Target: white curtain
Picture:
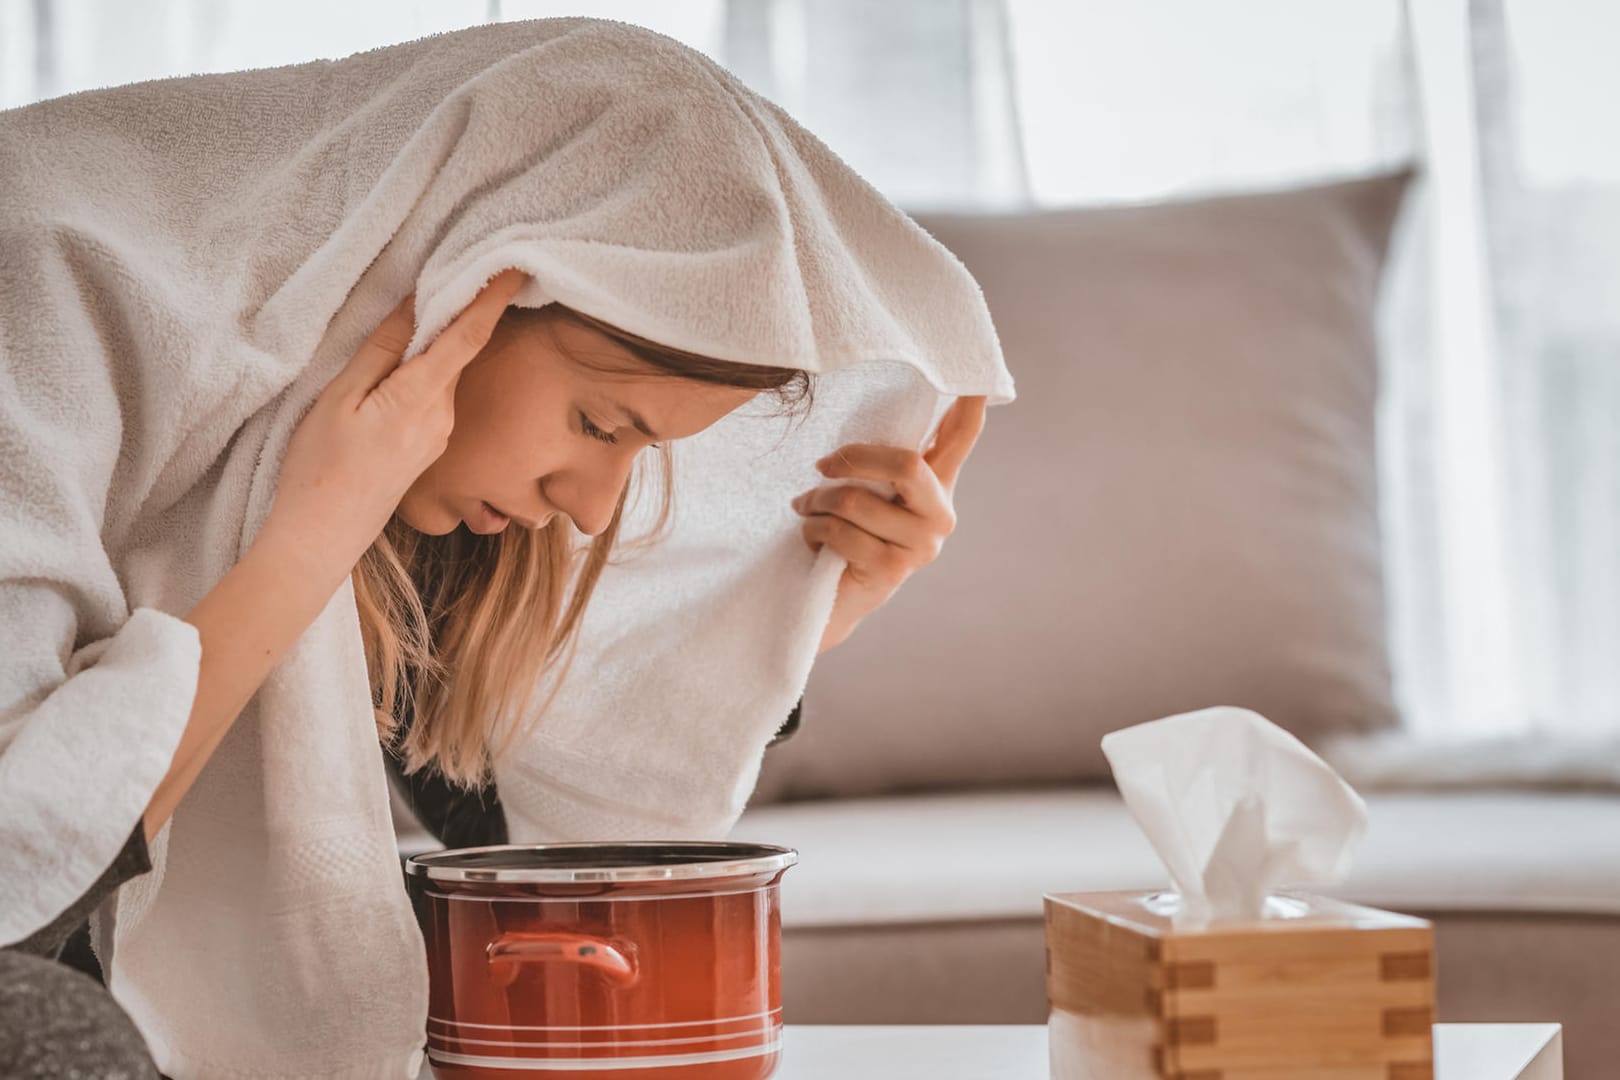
1501	418
1501	433
1547	87
916	94
1505	391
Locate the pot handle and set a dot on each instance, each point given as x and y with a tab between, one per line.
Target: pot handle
516	947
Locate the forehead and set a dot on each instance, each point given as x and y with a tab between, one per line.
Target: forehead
604	368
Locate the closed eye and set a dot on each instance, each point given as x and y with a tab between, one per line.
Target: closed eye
595	432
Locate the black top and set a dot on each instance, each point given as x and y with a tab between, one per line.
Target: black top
458	817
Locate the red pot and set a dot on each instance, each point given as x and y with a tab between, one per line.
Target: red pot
646	961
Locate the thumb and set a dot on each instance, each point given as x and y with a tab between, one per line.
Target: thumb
958	431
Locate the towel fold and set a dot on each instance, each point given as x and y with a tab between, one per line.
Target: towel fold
187	263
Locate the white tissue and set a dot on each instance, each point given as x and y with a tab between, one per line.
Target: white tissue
1236	807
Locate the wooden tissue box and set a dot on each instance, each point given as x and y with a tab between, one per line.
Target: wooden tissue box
1338	992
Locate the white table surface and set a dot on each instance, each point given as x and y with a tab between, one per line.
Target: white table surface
1018	1052
1014	1052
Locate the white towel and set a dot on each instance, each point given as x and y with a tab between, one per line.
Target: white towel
186	263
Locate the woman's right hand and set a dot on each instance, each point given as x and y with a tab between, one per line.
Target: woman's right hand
376	427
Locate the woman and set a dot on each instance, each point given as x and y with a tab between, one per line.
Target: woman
229	533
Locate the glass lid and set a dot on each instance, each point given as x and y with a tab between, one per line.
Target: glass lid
640	861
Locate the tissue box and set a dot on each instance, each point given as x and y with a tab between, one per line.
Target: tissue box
1331	991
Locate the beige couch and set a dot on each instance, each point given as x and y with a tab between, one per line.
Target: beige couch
1180	511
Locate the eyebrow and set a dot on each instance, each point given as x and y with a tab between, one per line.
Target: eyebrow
637	422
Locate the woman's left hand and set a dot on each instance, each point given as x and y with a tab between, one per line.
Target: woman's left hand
887	540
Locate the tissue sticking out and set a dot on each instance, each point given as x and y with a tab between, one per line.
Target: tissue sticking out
1236	807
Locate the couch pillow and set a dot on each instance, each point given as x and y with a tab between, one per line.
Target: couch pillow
1179	511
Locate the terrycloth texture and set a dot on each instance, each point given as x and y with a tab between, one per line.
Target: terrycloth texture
67	936
187	263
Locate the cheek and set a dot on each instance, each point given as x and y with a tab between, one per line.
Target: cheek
499	440
512	423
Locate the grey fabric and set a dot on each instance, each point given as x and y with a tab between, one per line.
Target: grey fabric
60	1024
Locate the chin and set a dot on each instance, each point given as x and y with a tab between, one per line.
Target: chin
430	521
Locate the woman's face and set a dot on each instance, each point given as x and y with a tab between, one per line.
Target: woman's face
538	433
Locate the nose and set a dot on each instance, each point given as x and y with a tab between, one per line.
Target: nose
589	495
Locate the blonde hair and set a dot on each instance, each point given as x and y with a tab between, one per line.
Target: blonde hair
462	628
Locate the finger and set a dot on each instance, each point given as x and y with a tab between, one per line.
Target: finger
379	354
913	478
457	344
867	556
889	522
958	430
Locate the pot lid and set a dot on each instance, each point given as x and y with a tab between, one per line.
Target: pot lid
638	861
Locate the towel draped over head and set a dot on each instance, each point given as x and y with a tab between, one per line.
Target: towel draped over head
187	263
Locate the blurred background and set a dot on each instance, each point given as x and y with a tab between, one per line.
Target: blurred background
1500	452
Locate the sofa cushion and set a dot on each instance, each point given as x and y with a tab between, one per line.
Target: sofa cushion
1179	511
989	856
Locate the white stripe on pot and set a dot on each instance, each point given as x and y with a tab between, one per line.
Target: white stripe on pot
611	1044
665	1061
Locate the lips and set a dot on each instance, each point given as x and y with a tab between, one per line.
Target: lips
486	520
497	518
514	519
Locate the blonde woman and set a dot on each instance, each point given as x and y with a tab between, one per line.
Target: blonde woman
447	487
223	522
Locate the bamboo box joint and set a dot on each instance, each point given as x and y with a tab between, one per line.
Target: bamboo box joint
1329	991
